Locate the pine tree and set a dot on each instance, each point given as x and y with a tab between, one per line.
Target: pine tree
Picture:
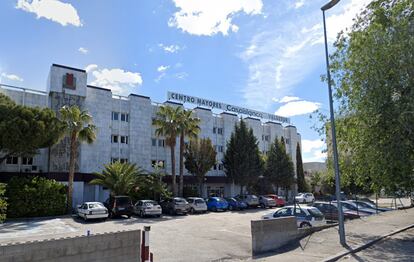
242	161
299	170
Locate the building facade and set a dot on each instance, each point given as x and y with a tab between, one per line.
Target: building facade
125	133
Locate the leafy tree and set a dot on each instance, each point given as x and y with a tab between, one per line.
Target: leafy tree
34	197
3	203
168	125
200	157
279	168
242	161
24	130
373	76
315	180
302	187
119	178
79	128
188	128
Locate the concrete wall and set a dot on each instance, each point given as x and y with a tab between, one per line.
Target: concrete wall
118	246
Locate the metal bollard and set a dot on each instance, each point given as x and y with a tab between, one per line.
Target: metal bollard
145	254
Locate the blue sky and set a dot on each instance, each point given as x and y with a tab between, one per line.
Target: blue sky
261	54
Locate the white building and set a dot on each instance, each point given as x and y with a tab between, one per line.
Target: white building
125	132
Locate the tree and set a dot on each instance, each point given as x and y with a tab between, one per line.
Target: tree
3	203
279	168
24	130
119	178
168	125
200	157
188	128
373	77
242	161
299	171
79	128
315	180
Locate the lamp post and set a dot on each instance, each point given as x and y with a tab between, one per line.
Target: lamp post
342	240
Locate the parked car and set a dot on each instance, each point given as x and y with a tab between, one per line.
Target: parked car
360	210
305	216
266	202
145	208
92	210
235	204
304	198
251	200
119	206
280	202
197	205
364	204
217	204
175	206
330	211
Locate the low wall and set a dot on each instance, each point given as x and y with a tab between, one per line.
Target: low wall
107	247
272	234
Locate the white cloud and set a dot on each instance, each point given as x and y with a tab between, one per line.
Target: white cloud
287	99
12	77
299	4
283	53
118	80
55	10
181	75
162	68
297	108
313	150
83	50
170	48
211	17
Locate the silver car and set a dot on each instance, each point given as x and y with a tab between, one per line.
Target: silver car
266	202
251	200
145	208
197	205
92	210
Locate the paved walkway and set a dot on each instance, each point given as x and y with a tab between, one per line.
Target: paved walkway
324	244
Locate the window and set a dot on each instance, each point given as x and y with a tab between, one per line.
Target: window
124	139
220	167
160	163
124	117
161	143
154	141
115	115
113	160
214	130
287	141
219	148
220	131
12	160
114	139
27	161
265	138
153	163
123	160
215	167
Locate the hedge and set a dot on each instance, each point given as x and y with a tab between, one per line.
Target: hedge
3	203
35	197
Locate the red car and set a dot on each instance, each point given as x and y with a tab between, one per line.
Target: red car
280	202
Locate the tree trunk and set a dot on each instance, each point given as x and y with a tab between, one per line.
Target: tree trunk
174	182
241	190
72	159
182	148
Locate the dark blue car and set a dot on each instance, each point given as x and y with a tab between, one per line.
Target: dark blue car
217	204
235	204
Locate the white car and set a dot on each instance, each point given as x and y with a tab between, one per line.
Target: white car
145	208
197	205
92	210
304	198
305	216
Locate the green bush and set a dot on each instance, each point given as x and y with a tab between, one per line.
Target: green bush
34	197
3	203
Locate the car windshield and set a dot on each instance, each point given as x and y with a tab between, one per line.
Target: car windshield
123	201
95	205
180	200
315	212
150	203
300	194
254	197
363	204
199	201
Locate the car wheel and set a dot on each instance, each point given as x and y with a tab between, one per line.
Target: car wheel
231	208
129	216
85	218
305	225
214	209
192	211
141	213
262	205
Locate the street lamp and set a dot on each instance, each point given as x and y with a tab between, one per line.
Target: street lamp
342	240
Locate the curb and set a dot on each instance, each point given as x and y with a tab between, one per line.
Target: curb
366	245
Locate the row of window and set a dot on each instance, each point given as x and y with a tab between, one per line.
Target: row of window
115	139
122	160
161	142
267	138
218	167
219	148
123	116
14	160
160	163
217	130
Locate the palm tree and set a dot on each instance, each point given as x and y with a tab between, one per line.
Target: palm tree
188	128
120	178
167	122
78	126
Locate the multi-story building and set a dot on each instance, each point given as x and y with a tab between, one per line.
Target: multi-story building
125	133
